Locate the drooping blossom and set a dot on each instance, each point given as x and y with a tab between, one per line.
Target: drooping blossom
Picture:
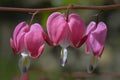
65	31
95	42
27	41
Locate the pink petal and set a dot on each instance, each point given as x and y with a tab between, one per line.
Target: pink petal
76	25
96	38
47	39
13	46
87	48
96	47
81	42
91	27
101	30
17	30
56	27
99	37
20	38
18	35
40	50
34	40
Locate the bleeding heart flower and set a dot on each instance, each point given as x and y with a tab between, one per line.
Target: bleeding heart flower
95	42
65	31
27	40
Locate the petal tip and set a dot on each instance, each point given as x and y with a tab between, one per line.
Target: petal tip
36	56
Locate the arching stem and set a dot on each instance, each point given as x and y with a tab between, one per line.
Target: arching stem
33	15
68	10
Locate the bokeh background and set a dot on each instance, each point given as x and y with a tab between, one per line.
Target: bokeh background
47	67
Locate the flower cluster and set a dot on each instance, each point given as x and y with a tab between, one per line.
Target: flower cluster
64	30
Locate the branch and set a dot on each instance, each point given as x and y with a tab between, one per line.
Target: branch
88	75
105	7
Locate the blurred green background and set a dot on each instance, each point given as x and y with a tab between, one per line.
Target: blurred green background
47	67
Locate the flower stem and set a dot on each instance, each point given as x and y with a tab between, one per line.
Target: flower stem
105	7
33	15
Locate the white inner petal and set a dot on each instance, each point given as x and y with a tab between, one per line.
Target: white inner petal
92	63
63	56
24	62
24	54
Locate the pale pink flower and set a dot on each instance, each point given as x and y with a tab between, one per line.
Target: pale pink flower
96	40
